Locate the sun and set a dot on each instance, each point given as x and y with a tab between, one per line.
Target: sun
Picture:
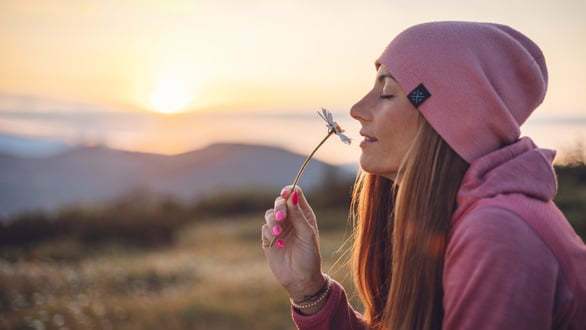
172	94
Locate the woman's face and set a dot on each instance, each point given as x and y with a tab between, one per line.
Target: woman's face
389	124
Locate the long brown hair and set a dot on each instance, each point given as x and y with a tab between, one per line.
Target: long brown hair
400	233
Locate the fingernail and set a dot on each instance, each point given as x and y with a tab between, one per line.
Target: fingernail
294	198
276	230
279	216
280	243
284	191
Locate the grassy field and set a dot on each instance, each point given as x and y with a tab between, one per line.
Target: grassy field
145	264
214	276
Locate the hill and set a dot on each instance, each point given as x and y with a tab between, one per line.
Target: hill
98	174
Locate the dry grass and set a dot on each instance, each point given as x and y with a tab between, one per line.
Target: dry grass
214	277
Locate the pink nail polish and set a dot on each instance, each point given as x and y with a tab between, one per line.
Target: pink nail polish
276	230
294	198
284	191
279	216
280	243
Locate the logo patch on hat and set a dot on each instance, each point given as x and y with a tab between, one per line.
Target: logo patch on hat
419	95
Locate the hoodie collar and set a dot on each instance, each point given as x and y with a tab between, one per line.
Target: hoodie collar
520	168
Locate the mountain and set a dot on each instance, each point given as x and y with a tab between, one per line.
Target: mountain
30	147
97	174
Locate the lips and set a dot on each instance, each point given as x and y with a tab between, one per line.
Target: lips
368	138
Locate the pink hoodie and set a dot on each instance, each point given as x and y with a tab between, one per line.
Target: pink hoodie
512	261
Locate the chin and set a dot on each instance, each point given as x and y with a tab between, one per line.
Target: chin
377	169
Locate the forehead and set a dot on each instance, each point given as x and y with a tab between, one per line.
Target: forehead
383	72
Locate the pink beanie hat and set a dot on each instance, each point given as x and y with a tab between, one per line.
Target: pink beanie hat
475	83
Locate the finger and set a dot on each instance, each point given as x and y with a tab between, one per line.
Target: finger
269	216
285	192
269	239
271	222
274	228
266	236
306	208
280	208
302	226
281	203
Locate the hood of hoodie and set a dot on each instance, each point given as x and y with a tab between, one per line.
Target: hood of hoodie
519	168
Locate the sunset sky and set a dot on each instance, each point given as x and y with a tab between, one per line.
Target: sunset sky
106	69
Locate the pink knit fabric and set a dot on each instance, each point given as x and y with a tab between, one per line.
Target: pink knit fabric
484	79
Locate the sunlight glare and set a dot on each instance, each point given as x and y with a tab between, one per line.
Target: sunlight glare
172	94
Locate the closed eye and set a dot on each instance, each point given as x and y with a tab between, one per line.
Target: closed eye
387	96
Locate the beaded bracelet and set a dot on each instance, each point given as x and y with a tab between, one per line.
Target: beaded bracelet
316	298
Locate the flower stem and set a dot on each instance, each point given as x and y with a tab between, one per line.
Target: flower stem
301	169
308	159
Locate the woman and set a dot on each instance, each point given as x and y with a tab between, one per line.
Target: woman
455	227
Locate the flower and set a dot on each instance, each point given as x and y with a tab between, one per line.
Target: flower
333	126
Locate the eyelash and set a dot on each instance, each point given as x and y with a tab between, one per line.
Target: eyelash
386	96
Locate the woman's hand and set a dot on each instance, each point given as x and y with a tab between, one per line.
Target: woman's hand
294	258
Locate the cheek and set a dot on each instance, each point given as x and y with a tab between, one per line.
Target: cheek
404	125
399	133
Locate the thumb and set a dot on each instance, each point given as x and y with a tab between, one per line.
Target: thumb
307	211
298	208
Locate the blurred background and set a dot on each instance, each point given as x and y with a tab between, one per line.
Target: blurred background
141	142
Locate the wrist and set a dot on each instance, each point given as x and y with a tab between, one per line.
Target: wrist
313	303
304	291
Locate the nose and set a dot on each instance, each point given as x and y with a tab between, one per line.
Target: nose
359	110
